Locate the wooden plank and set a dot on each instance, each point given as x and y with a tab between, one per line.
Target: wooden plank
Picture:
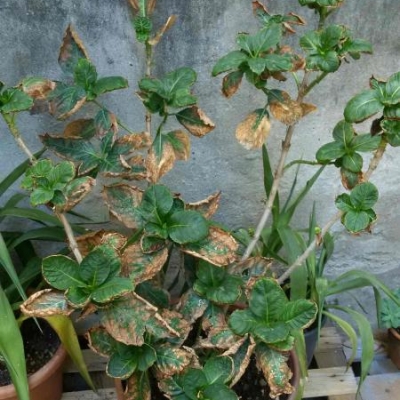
102	394
334	381
381	387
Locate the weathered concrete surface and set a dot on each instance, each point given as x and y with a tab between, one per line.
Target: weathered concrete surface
31	32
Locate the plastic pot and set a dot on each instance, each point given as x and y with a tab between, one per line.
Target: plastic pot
44	384
394	346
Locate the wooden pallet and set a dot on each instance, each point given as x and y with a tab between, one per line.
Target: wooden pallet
331	380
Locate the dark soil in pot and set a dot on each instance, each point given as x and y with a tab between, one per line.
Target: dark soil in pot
39	348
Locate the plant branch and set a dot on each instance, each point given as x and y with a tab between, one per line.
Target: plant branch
73	245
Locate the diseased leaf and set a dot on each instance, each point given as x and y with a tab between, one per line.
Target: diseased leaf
66	100
87	242
253	130
37	88
218	248
80	129
195	121
138	384
142	267
208	206
71	51
75	191
275	370
123	201
104	122
231	83
101	342
172	360
45	303
180	142
158	165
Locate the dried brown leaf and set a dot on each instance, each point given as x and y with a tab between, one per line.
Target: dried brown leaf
198	124
159	166
46	303
170	21
307	108
288	111
257	6
86	243
78	105
78	193
231	83
208	206
69	41
253	131
138	141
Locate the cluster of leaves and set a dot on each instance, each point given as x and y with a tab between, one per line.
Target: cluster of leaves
390	312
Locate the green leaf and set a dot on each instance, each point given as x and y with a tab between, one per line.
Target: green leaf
343	202
14	100
343	133
85	74
257	65
353	162
218	369
260	42
243	321
187	227
330	151
299	314
101	341
97	266
392	131
122	364
108	84
356	221
278	62
392	89
310	41
326	62
364	196
219	391
61	272
362	106
231	61
194	381
365	143
13	356
112	288
156	203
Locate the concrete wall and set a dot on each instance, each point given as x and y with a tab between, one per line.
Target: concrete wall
31	32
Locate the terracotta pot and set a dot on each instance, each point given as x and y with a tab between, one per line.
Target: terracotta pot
293	364
44	384
394	346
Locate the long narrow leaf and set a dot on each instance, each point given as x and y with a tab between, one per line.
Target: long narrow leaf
66	332
12	348
54	234
5	261
367	340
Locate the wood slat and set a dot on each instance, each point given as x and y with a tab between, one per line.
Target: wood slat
381	387
334	381
102	394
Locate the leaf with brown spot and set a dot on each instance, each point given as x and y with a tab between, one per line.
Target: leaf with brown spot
351	179
137	141
65	101
158	166
72	49
171	360
218	248
137	387
80	129
208	206
253	130
75	191
37	88
195	121
178	323
104	122
170	22
180	142
141	267
275	369
231	83
123	201
86	243
46	303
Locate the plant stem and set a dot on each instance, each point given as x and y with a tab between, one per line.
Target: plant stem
73	245
315	82
278	175
10	121
149	60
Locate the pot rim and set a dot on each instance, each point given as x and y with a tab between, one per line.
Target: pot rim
40	375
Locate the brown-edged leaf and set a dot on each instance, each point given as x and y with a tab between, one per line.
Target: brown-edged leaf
218	248
37	88
137	141
141	267
208	206
158	166
75	191
351	179
80	128
180	142
46	303
137	387
289	111
170	21
86	243
253	130
195	121
72	49
231	83
122	201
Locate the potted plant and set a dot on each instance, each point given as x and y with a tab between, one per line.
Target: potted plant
200	344
390	319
